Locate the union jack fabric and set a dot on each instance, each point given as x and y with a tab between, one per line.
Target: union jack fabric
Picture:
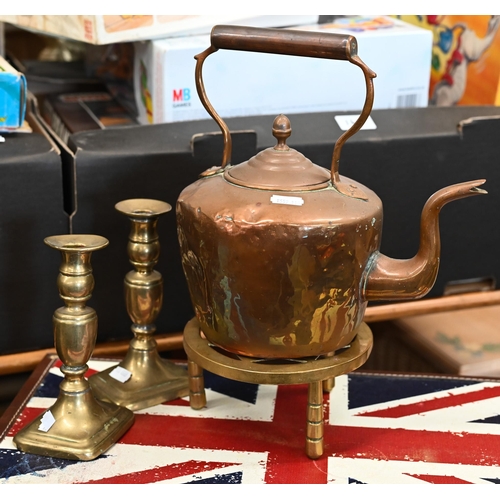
379	429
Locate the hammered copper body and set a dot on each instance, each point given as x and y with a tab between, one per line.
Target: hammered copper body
265	286
281	255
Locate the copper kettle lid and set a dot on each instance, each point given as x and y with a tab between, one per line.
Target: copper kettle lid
279	168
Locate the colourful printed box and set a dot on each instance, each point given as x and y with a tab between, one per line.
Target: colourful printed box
12	96
118	28
465	67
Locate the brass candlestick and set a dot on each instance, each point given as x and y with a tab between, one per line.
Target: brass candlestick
143	378
77	426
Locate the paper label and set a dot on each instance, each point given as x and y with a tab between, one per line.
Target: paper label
121	374
345	122
47	421
287	200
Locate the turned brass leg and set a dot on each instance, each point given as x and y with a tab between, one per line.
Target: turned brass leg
197	396
314	430
328	384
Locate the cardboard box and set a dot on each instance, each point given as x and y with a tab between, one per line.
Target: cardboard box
465	67
392	352
463	342
116	28
248	83
12	97
32	209
410	154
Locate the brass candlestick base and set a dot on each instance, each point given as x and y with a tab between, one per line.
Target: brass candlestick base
153	380
315	372
84	428
77	426
146	379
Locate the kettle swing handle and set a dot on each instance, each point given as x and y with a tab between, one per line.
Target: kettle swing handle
289	42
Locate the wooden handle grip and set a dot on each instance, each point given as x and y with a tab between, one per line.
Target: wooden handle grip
284	41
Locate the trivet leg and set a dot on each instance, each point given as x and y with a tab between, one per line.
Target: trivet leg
328	384
314	430
197	396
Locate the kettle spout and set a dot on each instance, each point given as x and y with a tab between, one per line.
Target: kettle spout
397	279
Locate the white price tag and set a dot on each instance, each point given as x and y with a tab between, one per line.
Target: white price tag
47	421
345	122
287	200
121	374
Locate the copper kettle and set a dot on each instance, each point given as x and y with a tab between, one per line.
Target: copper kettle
281	255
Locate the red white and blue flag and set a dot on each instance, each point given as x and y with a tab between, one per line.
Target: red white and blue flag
379	429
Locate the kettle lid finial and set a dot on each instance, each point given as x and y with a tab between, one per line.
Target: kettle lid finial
282	130
279	168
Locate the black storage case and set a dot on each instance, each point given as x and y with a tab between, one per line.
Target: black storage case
411	154
31	207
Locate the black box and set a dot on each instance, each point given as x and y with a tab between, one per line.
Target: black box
411	154
31	208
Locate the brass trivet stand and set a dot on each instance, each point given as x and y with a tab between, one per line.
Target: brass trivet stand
318	373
